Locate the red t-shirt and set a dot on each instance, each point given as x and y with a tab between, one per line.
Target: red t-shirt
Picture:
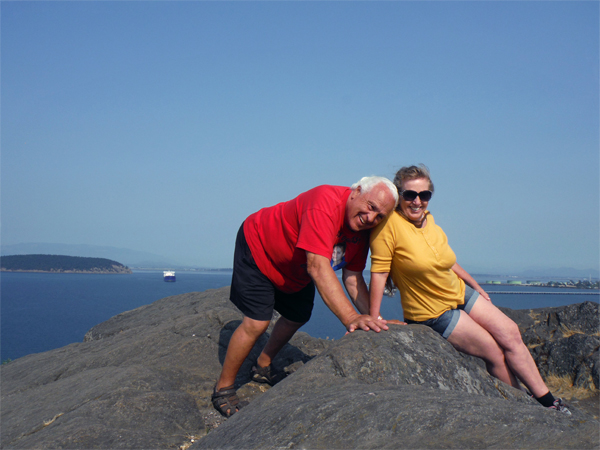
280	235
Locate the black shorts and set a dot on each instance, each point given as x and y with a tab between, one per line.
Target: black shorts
256	296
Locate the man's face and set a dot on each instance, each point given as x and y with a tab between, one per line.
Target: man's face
366	210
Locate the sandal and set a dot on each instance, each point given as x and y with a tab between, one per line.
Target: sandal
226	401
264	375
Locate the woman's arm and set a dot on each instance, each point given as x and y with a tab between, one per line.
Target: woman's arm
464	275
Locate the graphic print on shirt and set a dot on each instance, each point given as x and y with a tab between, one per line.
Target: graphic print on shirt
338	256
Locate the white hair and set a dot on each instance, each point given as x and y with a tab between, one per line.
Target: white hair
367	183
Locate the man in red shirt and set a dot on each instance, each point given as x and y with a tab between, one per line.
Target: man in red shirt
282	252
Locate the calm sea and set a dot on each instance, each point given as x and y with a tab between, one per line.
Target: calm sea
41	312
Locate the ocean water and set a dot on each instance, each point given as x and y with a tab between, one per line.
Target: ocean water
40	311
44	311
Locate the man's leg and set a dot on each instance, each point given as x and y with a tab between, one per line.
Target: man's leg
240	346
283	331
295	310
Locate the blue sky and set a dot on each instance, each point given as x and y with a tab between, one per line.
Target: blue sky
160	126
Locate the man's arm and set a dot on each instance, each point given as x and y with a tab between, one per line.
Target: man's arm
357	289
319	269
376	289
376	292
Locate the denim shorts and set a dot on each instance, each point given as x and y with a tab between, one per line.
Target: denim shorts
444	324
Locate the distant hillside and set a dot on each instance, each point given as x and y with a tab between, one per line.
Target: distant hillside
60	264
131	258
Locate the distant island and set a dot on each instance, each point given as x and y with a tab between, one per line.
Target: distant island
60	264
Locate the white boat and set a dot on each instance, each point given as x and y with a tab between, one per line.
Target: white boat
169	275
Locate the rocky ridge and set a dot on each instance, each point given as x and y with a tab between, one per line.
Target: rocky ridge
143	379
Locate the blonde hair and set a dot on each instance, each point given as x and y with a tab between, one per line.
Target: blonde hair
408	173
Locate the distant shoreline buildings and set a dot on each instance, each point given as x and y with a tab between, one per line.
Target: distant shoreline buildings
579	284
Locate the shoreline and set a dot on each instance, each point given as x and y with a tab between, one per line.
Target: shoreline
99	272
553	286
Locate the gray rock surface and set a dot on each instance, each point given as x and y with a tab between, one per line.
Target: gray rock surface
143	379
405	388
564	341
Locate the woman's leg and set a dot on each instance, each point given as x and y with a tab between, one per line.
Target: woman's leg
506	333
471	338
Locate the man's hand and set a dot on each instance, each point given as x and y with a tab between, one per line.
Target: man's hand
366	323
332	293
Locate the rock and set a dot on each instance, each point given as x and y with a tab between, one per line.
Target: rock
564	341
143	379
575	358
408	355
405	388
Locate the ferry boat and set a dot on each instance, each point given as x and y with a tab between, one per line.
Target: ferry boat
169	275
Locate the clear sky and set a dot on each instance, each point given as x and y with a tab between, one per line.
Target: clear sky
160	126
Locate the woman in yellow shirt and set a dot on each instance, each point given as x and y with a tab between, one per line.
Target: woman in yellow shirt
435	291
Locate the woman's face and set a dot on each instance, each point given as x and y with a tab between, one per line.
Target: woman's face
414	210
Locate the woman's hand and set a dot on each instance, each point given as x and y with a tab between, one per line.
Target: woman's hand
470	281
484	294
396	322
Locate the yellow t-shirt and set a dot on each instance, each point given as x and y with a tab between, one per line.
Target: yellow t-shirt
420	261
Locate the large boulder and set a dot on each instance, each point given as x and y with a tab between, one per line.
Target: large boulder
405	388
564	341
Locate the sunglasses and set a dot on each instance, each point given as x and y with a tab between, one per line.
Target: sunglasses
410	196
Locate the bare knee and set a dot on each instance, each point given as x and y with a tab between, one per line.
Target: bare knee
253	328
289	323
511	339
494	356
